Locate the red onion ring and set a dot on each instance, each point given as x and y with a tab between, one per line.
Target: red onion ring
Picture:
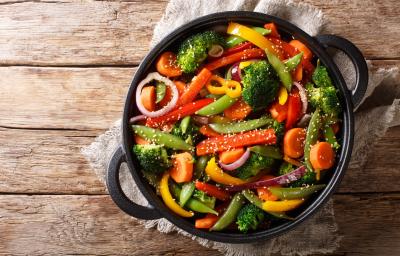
304	120
156	76
280	180
236	72
137	118
237	163
303	97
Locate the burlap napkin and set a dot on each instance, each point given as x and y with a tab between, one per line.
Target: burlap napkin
380	111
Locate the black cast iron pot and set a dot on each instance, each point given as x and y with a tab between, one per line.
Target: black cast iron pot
318	46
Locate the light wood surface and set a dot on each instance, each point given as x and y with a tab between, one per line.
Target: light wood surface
65	67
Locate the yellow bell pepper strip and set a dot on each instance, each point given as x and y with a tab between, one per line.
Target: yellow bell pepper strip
245	64
282	95
218	175
281	206
229	87
169	200
252	36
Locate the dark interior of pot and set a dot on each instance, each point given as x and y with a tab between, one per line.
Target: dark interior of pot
332	177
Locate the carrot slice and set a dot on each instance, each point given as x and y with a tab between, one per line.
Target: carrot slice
166	65
274	30
230	156
183	167
148	98
298	73
226	142
322	156
238	111
206	222
197	83
140	141
293	142
207	131
264	193
307	54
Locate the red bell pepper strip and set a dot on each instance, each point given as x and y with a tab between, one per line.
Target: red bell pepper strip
239	56
274	30
226	142
238	48
294	109
279	112
212	190
179	113
197	83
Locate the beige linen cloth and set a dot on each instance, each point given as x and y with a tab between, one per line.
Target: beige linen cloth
380	111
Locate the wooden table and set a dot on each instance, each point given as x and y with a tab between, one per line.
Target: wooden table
65	67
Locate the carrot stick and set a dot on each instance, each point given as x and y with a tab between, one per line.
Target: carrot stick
148	98
307	54
226	142
293	142
183	167
274	30
322	156
230	156
197	83
206	222
207	131
238	111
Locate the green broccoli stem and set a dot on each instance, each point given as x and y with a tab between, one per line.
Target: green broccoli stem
217	106
281	70
312	136
236	127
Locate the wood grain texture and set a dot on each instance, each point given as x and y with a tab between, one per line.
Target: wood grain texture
93	225
69	98
118	33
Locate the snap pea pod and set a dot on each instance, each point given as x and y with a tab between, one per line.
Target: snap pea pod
294	61
161	89
185	124
186	193
192	204
217	106
312	136
236	127
232	40
295	193
200	166
269	151
252	198
161	138
230	213
330	137
281	70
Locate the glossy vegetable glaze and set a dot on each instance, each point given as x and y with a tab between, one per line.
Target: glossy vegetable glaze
231	148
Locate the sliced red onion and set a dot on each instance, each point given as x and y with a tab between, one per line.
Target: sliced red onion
304	121
303	97
137	118
236	72
216	51
237	163
156	76
201	119
280	180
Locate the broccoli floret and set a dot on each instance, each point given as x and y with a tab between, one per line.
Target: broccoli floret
260	84
254	165
307	179
324	98
279	129
321	77
249	217
204	198
152	158
191	136
193	51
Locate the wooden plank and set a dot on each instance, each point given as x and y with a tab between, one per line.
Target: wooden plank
92	225
37	161
118	33
74	98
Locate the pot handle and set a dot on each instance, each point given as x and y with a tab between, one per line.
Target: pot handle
119	197
356	57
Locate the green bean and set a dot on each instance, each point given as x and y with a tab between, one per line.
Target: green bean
330	137
252	198
161	138
232	40
230	213
217	106
161	89
312	136
236	127
200	166
186	193
281	70
295	193
185	124
294	61
269	151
